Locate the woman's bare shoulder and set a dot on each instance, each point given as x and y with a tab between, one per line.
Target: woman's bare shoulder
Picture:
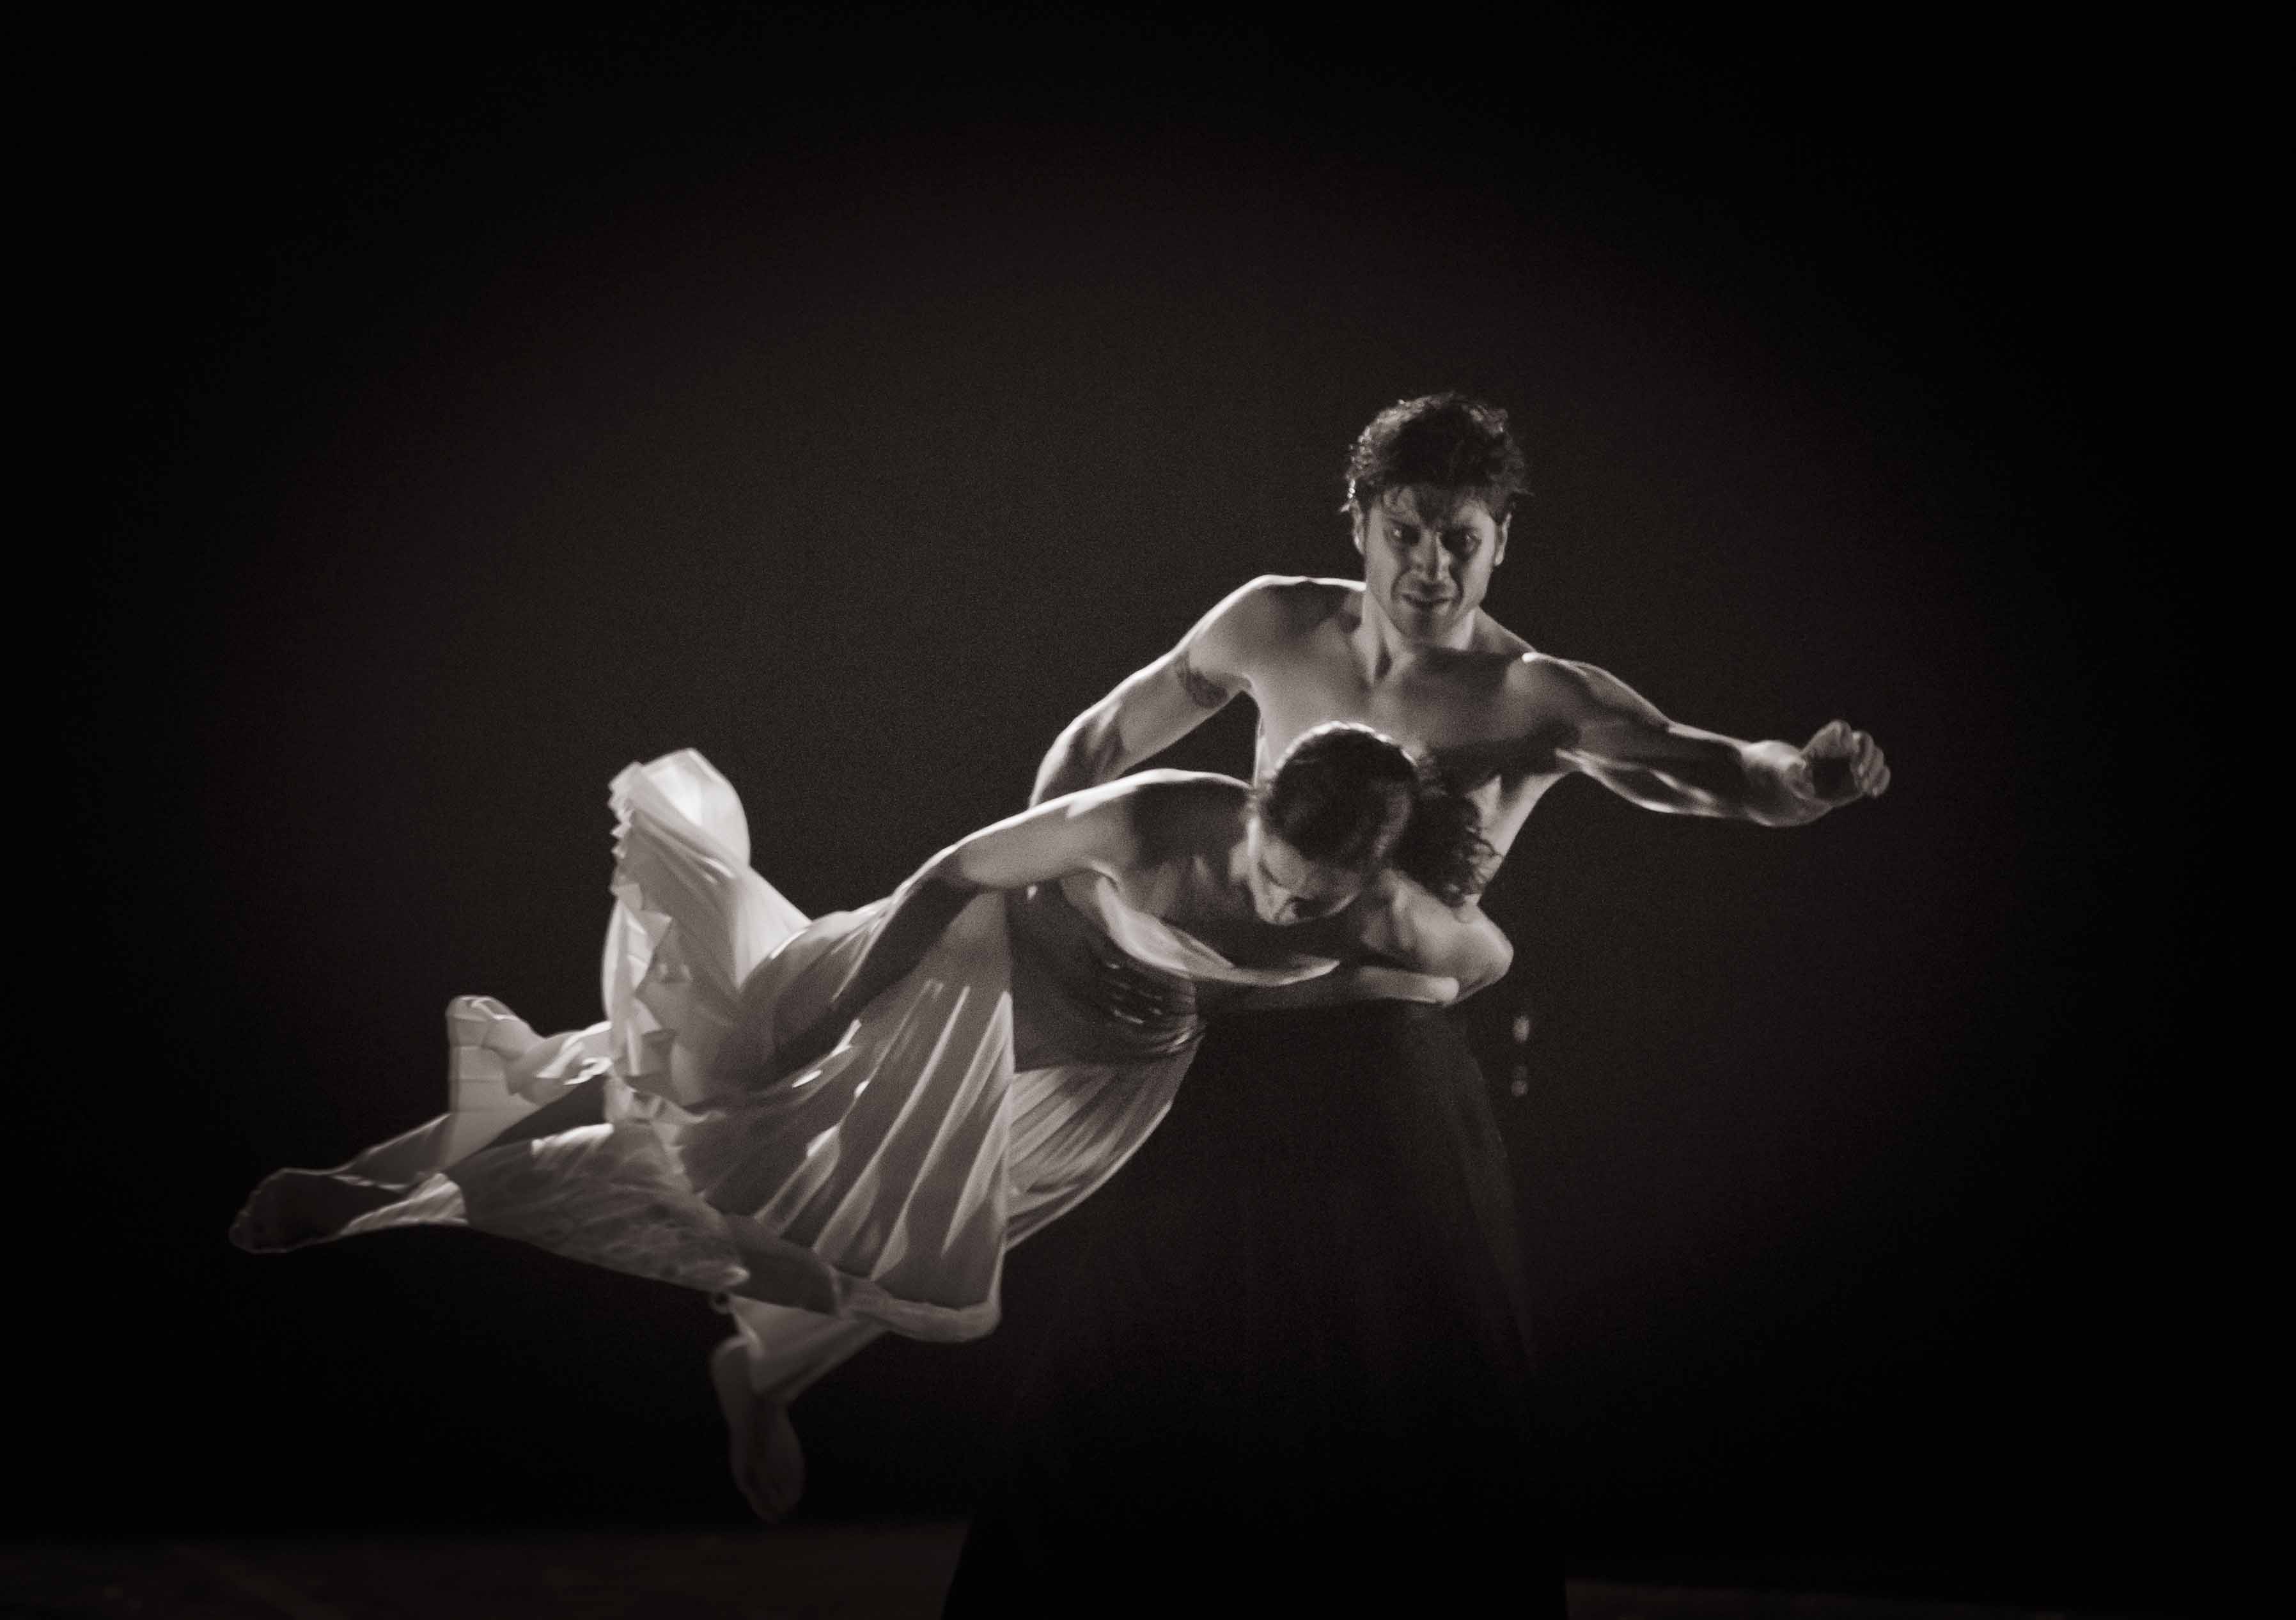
1165	777
1183	812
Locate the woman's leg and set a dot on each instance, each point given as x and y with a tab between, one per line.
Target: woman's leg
777	1353
292	1207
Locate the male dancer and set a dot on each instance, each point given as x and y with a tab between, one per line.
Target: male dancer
1300	1350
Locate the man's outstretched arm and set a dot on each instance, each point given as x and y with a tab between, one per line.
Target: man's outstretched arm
1601	727
1153	708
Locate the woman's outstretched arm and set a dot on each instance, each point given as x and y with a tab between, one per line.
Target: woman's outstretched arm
1085	831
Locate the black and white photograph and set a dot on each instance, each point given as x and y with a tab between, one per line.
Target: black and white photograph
915	811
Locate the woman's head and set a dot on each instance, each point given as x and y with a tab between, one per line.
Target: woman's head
1345	802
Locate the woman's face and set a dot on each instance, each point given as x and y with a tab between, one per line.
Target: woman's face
1287	886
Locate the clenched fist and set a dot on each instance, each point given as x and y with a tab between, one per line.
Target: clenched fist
1837	765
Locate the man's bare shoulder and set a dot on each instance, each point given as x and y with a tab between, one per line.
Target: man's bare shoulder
1291	604
1536	671
1487	667
1267	622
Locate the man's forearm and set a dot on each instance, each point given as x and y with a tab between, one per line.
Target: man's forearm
1707	775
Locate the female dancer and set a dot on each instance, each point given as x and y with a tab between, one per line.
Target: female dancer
838	1127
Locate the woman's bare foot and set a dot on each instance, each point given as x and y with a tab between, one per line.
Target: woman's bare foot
292	1207
768	1464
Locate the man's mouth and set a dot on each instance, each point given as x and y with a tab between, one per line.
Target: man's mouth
1428	603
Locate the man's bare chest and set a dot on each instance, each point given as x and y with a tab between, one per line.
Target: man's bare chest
1464	722
1463	715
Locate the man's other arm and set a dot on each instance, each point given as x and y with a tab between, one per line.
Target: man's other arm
1153	708
1601	727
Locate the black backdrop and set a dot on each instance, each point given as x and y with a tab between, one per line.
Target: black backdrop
474	413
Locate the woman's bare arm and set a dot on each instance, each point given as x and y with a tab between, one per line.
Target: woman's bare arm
1093	830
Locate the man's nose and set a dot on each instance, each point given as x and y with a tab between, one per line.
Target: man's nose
1427	559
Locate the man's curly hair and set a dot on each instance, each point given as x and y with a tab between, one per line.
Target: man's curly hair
1448	440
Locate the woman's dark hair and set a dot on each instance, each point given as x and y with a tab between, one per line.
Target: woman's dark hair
1448	440
1346	794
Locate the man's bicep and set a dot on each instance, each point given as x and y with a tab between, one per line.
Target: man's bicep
1215	660
1150	709
1162	702
1205	690
1171	697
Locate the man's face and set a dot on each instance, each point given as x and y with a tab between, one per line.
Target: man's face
1428	555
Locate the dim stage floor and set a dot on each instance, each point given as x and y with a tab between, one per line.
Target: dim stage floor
801	1572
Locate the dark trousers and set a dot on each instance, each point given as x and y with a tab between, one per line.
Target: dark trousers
1295	1363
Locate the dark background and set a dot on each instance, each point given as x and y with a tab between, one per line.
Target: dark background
461	415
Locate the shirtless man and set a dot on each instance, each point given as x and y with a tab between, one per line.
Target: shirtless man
1411	651
1300	1344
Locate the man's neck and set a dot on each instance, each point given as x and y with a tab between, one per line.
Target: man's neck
1383	651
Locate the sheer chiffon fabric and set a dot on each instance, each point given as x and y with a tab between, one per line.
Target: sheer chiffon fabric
877	1188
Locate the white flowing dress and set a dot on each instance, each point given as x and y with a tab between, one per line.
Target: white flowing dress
1000	1081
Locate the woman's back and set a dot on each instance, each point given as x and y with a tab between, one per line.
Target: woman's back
1191	828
